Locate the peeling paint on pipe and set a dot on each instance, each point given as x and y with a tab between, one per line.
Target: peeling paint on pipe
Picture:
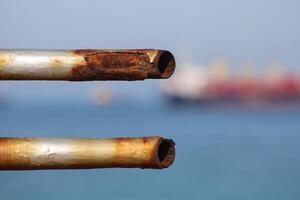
85	153
85	64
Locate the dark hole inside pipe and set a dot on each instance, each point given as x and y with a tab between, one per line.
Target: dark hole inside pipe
165	60
163	149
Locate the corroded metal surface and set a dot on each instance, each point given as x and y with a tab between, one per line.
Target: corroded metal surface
63	153
85	65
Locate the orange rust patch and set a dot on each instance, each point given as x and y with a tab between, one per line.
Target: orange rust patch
115	60
112	65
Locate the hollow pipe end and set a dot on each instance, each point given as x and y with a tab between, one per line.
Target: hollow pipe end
165	153
165	64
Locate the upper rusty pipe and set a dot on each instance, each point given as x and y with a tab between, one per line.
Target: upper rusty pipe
84	153
85	64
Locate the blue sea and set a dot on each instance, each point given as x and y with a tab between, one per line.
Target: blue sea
225	154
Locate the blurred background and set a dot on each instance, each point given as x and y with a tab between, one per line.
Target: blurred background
232	105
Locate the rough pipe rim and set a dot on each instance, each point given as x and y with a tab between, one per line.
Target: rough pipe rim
165	153
165	63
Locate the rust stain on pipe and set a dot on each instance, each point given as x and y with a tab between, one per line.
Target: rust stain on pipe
123	65
63	153
86	64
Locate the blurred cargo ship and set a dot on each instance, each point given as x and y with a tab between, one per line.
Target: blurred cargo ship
214	85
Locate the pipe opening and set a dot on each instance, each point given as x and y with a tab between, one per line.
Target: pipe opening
166	64
166	153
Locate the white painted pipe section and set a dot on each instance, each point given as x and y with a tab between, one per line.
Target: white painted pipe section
38	64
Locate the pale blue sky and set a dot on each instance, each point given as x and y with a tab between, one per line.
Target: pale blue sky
262	30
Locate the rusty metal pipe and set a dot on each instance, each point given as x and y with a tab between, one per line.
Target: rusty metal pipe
85	153
85	65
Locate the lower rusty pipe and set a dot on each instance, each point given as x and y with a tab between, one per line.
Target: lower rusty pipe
85	64
85	153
